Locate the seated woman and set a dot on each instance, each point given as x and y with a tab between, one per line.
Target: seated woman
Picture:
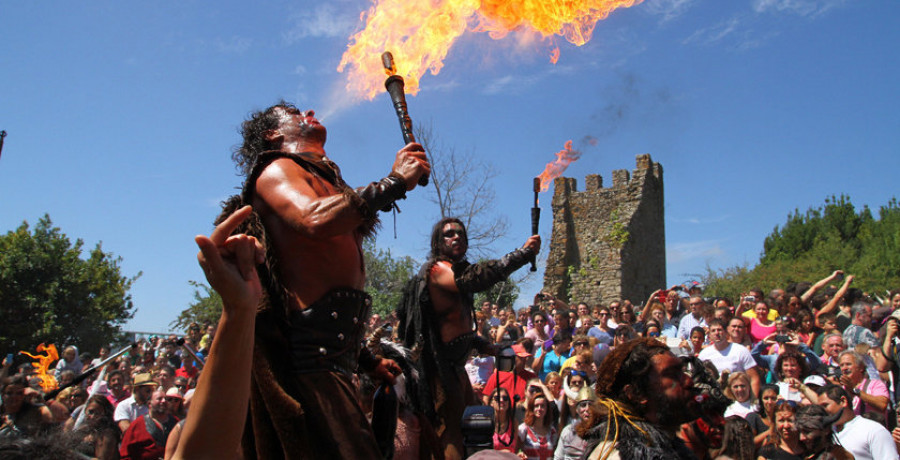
737	440
99	434
20	418
761	421
573	382
505	438
791	369
784	440
738	390
537	433
760	326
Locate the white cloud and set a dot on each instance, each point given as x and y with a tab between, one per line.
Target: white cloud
323	21
799	7
668	9
703	221
714	33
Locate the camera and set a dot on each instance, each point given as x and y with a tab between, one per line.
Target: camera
781	338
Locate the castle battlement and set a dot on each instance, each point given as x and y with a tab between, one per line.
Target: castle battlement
608	243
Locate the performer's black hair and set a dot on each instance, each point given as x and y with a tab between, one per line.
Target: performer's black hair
436	236
254	132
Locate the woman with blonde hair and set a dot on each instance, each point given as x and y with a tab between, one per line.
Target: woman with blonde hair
739	391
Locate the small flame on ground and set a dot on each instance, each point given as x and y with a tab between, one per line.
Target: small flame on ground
420	33
42	365
564	158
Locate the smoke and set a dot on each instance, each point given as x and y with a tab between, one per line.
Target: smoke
336	101
628	101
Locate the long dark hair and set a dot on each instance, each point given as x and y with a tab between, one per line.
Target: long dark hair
737	439
437	236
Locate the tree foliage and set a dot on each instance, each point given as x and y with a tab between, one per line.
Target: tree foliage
386	276
809	246
503	293
50	294
205	308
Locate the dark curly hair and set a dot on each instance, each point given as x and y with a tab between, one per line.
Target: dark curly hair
253	131
628	363
796	356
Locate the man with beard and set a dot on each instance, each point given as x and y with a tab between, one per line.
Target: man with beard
818	440
312	317
437	317
146	437
644	395
865	439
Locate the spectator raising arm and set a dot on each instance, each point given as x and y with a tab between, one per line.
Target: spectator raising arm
819	285
219	407
833	303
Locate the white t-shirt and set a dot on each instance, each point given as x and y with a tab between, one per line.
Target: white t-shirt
734	358
867	440
741	409
130	410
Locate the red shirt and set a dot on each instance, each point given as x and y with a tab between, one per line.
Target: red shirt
506	381
182	372
137	444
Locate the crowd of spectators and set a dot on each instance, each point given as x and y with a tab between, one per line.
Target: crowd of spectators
129	408
808	370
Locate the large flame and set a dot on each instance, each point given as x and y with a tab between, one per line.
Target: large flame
420	32
42	365
564	158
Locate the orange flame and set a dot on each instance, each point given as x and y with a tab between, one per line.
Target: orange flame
564	158
420	33
48	382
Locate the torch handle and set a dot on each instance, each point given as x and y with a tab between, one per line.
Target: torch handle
394	85
535	219
78	379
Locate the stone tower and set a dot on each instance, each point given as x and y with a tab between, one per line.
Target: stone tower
608	243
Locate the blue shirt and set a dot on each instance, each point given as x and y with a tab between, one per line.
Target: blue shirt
552	363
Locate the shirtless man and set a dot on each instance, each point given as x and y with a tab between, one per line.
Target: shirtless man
314	312
439	318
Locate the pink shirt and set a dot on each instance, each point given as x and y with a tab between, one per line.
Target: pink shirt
758	331
872	387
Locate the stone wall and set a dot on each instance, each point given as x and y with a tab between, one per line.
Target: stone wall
608	243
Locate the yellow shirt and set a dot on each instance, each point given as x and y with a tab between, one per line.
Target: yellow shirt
773	314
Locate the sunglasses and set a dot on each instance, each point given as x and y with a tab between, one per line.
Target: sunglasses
501	398
654	334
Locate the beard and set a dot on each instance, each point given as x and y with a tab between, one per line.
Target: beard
671	412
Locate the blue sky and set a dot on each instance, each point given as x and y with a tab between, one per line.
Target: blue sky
122	115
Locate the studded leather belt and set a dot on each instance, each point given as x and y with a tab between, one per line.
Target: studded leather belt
327	335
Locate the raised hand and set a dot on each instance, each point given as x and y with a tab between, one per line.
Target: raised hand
229	262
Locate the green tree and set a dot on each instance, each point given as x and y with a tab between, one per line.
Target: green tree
205	309
811	245
386	276
50	294
503	293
